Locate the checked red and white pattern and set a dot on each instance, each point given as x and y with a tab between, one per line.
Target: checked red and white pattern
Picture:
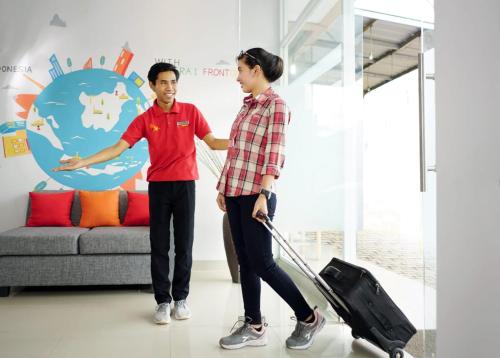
257	144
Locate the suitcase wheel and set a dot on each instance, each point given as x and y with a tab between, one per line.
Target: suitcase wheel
397	353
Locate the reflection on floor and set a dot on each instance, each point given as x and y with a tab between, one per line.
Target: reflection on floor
116	322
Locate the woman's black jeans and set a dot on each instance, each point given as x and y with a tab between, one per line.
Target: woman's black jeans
253	245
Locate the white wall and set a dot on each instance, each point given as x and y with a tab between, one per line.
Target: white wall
199	34
468	178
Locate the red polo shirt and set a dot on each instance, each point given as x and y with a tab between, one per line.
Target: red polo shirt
170	137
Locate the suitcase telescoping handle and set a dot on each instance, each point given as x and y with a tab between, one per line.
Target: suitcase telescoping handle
294	255
300	262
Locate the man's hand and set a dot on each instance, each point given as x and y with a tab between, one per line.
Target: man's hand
221	202
70	164
260	205
104	155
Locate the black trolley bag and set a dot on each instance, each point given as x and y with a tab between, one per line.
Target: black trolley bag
357	297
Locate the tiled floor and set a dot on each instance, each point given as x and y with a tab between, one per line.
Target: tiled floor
117	323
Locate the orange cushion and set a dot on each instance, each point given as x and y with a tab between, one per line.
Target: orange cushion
99	208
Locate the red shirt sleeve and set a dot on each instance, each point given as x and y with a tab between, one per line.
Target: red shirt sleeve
135	131
201	126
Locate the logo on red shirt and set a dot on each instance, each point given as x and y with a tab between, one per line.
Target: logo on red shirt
154	127
183	123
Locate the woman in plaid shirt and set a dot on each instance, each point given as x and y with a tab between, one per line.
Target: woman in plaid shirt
254	160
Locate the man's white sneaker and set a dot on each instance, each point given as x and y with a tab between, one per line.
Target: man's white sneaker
162	313
181	310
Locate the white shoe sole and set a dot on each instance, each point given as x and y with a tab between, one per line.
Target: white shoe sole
252	343
162	321
181	318
310	343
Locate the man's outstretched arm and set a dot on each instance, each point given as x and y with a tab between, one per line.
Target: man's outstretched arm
103	156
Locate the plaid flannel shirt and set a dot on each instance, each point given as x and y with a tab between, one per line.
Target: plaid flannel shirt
257	144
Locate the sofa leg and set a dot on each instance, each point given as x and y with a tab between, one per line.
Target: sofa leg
4	291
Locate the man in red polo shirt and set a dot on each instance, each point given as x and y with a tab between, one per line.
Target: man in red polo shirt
169	127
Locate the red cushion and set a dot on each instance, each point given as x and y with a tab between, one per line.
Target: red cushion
137	209
51	209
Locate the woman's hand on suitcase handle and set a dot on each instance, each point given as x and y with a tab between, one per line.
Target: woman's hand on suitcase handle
263	217
260	206
221	202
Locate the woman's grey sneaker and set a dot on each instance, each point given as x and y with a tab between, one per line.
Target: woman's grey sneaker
162	313
181	310
244	336
303	335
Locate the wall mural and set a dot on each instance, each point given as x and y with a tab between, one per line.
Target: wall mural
85	108
79	113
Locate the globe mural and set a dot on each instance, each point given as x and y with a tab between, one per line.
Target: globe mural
79	114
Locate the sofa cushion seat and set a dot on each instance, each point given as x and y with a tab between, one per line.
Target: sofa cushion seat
115	240
27	241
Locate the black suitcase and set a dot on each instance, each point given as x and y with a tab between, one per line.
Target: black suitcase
358	298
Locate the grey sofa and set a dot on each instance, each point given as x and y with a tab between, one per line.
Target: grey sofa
60	256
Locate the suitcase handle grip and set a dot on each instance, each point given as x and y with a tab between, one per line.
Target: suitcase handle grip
334	273
263	216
